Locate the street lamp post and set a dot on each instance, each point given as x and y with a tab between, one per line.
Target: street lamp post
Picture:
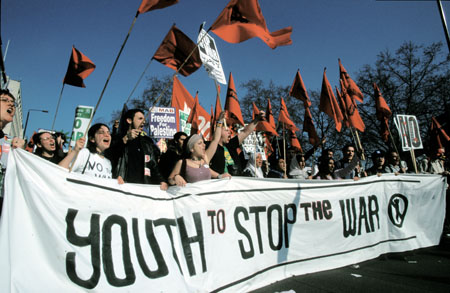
28	116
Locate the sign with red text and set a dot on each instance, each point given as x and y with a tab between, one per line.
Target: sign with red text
408	129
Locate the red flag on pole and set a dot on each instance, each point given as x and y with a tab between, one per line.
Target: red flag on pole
269	115
148	5
268	149
242	20
308	126
218	108
79	68
232	105
383	112
285	118
294	141
352	89
181	98
382	108
439	137
263	125
174	50
342	108
354	118
328	103
194	117
298	90
200	119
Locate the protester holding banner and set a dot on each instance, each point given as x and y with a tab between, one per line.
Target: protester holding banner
279	169
46	147
94	159
328	171
253	168
378	159
297	168
349	152
195	163
173	154
394	165
135	160
226	159
436	164
7	110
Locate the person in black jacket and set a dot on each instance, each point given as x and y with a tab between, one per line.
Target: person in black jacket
173	154
136	160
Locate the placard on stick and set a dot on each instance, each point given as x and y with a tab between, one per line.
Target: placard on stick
408	128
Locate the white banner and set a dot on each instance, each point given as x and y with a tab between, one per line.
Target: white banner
210	57
63	232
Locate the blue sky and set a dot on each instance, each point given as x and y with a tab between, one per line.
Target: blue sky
41	34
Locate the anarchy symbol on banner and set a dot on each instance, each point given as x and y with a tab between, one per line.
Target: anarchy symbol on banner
398	205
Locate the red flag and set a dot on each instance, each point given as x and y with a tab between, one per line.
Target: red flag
194	117
232	104
328	103
294	141
242	20
213	120
383	112
382	108
182	100
174	50
354	118
268	149
384	129
79	68
299	91
342	108
285	118
148	5
218	109
199	119
439	137
269	115
352	89
308	126
262	125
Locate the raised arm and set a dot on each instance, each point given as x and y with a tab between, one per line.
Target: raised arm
79	144
249	128
211	150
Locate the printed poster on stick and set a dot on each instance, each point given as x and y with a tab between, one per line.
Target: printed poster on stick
83	115
163	122
408	129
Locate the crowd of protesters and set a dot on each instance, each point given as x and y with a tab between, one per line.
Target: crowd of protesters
130	155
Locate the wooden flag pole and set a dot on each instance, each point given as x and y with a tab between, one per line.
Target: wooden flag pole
139	80
363	157
393	142
256	143
57	107
413	159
